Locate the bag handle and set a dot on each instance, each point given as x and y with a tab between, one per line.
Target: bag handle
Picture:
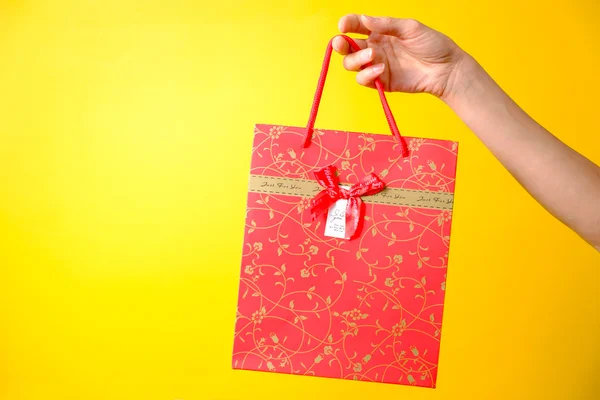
378	85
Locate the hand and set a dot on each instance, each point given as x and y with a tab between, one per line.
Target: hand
407	56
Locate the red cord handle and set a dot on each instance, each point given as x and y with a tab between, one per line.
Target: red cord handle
317	100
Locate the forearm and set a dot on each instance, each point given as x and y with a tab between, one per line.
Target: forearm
563	181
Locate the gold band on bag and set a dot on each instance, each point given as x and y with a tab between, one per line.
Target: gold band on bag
389	196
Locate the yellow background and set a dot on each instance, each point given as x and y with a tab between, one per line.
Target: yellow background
125	136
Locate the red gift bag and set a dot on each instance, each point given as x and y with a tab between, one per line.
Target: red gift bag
345	252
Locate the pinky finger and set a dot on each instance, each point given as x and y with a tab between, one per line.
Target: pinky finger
367	76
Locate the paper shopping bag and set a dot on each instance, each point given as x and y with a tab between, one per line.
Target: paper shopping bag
345	253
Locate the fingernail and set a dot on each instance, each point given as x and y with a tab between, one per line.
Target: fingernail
367	54
370	19
378	68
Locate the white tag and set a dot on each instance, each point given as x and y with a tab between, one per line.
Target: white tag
335	226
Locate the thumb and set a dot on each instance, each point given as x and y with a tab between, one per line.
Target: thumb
401	27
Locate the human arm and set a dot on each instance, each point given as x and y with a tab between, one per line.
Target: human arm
410	57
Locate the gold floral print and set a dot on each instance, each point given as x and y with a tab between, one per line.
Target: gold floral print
275	132
259	315
303	204
414	350
445	216
415	144
399	328
354	314
274	337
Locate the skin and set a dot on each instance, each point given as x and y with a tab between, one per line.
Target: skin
410	57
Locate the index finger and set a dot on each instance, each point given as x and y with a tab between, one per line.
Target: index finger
352	23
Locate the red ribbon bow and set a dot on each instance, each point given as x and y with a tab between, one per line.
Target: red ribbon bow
327	178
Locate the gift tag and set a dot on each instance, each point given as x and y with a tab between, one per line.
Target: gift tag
335	226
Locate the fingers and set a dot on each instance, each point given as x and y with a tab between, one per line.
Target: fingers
367	76
343	47
363	24
401	27
355	61
352	23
